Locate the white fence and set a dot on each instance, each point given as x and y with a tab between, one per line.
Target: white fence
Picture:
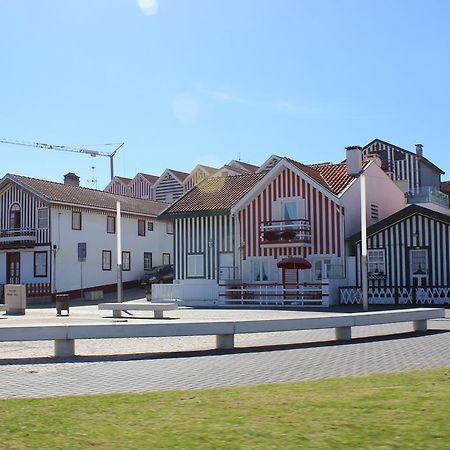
396	295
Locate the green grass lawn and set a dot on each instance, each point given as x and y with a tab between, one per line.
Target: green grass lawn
408	410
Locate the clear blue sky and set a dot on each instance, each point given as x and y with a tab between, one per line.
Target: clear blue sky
205	81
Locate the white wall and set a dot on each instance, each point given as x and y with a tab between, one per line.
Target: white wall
70	274
380	189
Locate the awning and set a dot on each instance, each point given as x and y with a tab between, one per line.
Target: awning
294	263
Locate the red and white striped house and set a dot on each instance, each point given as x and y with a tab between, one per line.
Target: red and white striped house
118	185
234	235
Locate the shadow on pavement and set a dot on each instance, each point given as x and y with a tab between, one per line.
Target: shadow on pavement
215	352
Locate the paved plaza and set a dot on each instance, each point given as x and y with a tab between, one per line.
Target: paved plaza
152	364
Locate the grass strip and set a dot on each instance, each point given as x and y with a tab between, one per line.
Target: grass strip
390	411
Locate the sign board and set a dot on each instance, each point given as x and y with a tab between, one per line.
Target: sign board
82	250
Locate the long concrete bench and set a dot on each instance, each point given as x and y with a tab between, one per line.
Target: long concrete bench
65	335
157	308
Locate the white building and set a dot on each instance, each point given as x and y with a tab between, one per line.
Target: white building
58	237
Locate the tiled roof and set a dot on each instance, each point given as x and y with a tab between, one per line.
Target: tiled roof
124	180
208	169
249	167
215	194
151	178
180	175
335	176
74	195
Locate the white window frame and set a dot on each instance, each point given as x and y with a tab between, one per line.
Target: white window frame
260	270
42	216
146	260
376	261
196	265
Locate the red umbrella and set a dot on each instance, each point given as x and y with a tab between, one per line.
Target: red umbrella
294	263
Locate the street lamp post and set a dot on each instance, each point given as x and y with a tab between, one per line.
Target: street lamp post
118	313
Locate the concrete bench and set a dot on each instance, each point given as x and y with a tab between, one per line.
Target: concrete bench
157	308
65	335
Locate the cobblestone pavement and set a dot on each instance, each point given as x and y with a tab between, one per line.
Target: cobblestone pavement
153	364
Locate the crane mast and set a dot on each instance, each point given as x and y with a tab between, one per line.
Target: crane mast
70	148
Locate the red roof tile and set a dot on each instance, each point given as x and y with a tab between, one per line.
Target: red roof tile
180	175
74	195
151	178
215	194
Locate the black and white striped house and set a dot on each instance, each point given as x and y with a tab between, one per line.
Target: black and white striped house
170	186
413	172
408	259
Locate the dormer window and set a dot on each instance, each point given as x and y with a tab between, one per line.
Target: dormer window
15	217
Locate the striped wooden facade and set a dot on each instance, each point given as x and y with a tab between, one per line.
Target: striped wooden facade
29	204
197	175
325	215
116	186
238	236
209	236
399	164
168	188
419	229
140	187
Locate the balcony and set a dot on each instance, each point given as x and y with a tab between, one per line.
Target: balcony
285	233
22	235
428	194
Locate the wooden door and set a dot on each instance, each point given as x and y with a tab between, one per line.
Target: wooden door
13	268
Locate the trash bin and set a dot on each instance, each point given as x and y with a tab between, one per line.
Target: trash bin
62	304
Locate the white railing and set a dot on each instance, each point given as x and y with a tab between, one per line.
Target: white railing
19	234
296	294
398	295
292	231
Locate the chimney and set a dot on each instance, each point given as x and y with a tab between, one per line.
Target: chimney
354	159
71	179
419	150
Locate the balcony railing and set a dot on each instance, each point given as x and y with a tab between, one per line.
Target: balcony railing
18	235
283	233
428	194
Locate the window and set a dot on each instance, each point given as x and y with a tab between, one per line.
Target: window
169	227
76	220
374	212
141	227
166	258
375	262
419	261
111	224
260	270
14	217
290	210
106	259
148	261
126	261
42	218
195	266
40	264
149	226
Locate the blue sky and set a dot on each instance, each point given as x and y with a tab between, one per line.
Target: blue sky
206	81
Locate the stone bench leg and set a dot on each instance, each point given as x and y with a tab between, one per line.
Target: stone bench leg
343	333
224	341
420	325
64	348
117	313
159	314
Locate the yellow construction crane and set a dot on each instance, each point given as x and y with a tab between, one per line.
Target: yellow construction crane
71	148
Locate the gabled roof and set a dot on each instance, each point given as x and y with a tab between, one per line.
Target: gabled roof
78	196
250	168
208	169
335	176
400	216
180	175
123	180
150	178
421	158
214	195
